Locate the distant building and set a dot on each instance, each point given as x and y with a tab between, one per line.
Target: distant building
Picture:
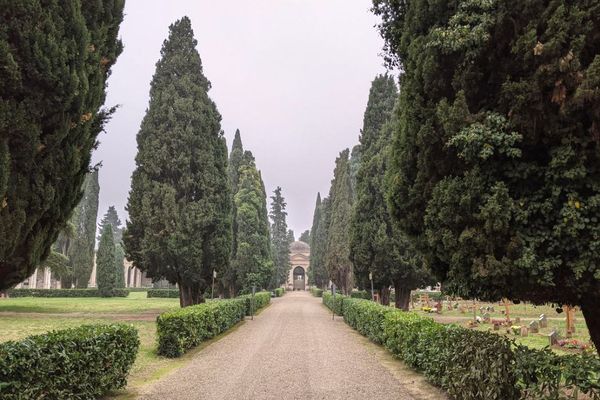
299	260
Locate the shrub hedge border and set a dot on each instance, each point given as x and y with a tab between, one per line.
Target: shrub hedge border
315	291
63	293
163	293
279	292
470	364
79	363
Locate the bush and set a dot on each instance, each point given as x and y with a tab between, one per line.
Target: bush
470	364
279	292
163	293
261	299
80	363
183	329
63	293
316	292
360	294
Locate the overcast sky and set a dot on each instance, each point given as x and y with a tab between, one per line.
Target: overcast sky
292	75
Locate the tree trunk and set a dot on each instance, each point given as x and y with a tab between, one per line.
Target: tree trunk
385	295
591	312
402	297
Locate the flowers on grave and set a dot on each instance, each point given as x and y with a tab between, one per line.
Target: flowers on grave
573	344
516	329
427	309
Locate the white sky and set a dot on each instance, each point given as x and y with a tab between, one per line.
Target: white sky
292	75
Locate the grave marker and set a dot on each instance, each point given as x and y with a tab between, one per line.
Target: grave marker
543	321
534	327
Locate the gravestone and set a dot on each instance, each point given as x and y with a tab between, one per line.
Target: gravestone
491	309
543	321
517	320
534	327
496	327
486	317
524	331
554	337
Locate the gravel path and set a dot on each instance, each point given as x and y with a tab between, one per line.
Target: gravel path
292	350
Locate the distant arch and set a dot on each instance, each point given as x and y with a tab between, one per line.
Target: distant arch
299	275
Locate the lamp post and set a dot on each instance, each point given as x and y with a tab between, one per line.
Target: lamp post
372	291
212	292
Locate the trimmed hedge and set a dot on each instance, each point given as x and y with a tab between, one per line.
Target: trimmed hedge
163	293
279	292
360	294
79	363
470	364
316	292
63	293
180	330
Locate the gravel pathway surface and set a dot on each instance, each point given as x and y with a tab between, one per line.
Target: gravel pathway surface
292	350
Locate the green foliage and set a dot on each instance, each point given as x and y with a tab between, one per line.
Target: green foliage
55	58
105	263
291	237
65	292
80	363
317	292
179	206
279	238
260	300
334	303
233	170
279	292
112	217
305	237
366	317
119	266
252	261
495	171
337	255
179	331
360	294
317	272
163	293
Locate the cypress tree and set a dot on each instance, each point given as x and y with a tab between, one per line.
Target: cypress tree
305	237
81	251
105	263
119	266
496	161
55	58
179	205
337	255
252	262
290	235
112	218
279	238
317	274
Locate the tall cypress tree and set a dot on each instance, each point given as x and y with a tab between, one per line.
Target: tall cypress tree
112	218
337	256
279	238
496	161
105	263
179	204
290	234
252	262
55	58
81	252
318	247
236	157
305	237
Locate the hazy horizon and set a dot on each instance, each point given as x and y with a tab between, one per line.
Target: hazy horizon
293	76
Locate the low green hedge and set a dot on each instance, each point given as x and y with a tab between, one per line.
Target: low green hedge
360	294
180	330
80	363
279	292
316	292
471	364
63	293
261	299
163	293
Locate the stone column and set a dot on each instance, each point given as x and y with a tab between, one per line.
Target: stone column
33	280
47	278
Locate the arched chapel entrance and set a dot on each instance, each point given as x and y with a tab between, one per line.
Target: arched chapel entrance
299	278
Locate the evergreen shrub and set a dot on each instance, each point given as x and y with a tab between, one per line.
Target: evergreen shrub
63	293
279	292
164	293
315	291
471	364
79	363
261	299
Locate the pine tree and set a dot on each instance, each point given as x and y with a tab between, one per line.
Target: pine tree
55	58
495	167
279	238
105	263
252	262
112	218
81	251
179	205
305	237
337	256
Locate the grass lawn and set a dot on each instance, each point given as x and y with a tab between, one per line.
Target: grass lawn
17	323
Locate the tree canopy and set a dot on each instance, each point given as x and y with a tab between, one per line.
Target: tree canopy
179	205
105	263
495	171
279	238
317	273
55	59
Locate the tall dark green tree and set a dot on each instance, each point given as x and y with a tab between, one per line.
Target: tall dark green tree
179	205
112	218
279	238
376	247
337	255
81	251
253	263
317	273
105	263
236	159
291	237
305	237
55	58
496	161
